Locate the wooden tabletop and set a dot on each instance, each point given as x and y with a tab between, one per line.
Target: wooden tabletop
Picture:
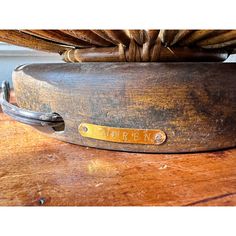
37	170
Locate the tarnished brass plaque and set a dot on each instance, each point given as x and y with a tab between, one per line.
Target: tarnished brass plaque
122	135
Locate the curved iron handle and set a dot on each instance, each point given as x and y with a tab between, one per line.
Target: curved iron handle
25	116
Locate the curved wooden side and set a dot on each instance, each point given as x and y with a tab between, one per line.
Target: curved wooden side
193	103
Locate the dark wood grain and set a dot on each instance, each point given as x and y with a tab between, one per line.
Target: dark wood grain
36	170
192	103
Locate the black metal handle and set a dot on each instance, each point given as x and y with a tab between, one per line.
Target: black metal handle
25	116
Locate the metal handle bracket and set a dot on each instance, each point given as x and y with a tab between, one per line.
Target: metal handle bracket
26	116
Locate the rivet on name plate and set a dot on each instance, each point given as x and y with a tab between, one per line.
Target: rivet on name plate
83	128
160	137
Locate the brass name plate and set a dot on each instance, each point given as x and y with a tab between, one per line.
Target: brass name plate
122	135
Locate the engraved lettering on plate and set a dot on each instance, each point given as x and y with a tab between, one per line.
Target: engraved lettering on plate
122	135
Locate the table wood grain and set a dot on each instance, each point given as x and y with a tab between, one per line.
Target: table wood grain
37	170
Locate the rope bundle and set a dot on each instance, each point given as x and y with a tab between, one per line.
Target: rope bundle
128	45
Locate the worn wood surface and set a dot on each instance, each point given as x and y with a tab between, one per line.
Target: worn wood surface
36	170
194	104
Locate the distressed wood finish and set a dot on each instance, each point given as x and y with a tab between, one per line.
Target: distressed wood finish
37	170
194	104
